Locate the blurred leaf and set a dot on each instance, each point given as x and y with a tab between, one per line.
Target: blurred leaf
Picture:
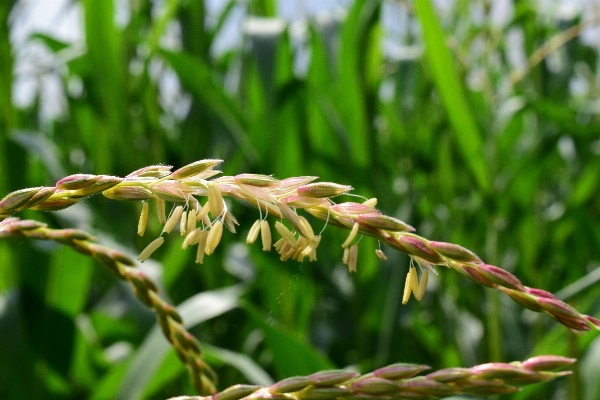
587	184
169	369
290	115
452	93
590	371
68	281
356	31
52	43
323	140
197	77
251	370
292	355
106	58
38	144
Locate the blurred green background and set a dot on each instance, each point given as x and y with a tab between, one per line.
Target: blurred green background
474	121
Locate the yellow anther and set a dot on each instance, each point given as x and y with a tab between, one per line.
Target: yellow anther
160	210
151	248
351	236
265	235
214	237
381	255
254	231
201	247
143	219
183	224
173	219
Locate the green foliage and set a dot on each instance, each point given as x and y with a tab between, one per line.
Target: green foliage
440	138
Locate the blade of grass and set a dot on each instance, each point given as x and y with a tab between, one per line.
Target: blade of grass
197	77
451	90
8	115
106	58
363	17
292	355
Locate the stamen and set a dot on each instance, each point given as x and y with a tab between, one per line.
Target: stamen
254	231
191	220
352	258
381	255
203	211
160	210
215	199
265	235
422	285
143	219
192	238
306	227
414	279
351	236
151	248
279	244
183	224
372	202
214	237
173	219
201	247
407	289
286	234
